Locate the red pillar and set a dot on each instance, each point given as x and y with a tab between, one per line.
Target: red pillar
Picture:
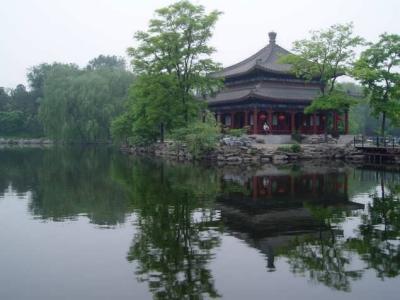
314	122
292	122
269	118
255	187
346	122
255	121
232	120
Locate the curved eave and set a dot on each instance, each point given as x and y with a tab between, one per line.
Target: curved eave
252	69
255	96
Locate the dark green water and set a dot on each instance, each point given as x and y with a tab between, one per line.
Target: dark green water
93	224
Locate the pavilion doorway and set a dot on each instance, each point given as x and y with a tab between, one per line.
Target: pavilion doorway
239	120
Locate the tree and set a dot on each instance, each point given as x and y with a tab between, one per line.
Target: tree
377	70
78	105
11	122
107	62
324	57
4	99
173	56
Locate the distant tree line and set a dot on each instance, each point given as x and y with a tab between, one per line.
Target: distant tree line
66	102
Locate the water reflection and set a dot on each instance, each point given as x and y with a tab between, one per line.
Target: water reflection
177	228
288	213
66	183
328	224
378	240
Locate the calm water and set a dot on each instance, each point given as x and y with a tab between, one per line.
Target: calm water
93	224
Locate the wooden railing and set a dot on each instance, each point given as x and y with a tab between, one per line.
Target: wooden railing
376	142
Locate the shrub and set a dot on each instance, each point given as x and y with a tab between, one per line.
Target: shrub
200	137
294	148
297	137
237	132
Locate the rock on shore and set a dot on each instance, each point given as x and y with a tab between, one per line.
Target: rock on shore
25	141
253	150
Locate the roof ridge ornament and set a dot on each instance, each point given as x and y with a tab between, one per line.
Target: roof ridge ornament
272	37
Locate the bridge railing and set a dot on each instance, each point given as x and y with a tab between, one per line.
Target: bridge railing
376	142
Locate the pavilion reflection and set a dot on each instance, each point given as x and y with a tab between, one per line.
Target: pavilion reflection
274	209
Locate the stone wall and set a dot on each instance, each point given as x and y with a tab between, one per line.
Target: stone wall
251	150
24	141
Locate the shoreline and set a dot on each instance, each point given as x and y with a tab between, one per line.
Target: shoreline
249	150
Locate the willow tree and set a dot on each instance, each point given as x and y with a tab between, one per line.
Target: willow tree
378	71
324	57
175	51
79	104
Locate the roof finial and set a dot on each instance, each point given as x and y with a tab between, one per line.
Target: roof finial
272	37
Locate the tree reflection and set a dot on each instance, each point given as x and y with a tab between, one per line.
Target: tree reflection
177	229
66	183
378	241
323	258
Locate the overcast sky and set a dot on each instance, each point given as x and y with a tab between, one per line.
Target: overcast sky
37	31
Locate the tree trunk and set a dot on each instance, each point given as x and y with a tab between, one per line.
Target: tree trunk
383	125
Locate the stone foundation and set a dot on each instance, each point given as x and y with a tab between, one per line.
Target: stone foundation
251	151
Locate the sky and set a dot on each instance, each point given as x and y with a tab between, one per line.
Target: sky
75	31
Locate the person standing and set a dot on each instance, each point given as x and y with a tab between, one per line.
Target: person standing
266	128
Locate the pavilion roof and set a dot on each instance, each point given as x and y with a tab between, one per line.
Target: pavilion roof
266	59
267	91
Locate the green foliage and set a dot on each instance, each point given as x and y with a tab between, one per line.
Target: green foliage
4	99
296	148
325	56
377	70
336	100
296	137
237	132
11	122
322	59
107	62
78	105
293	148
153	103
19	112
172	59
199	137
121	128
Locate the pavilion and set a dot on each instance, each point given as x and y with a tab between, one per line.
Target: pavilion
262	90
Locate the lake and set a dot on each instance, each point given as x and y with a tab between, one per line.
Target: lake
90	223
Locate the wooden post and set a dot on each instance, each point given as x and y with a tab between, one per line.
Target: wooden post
346	122
232	120
255	121
314	123
292	122
246	118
